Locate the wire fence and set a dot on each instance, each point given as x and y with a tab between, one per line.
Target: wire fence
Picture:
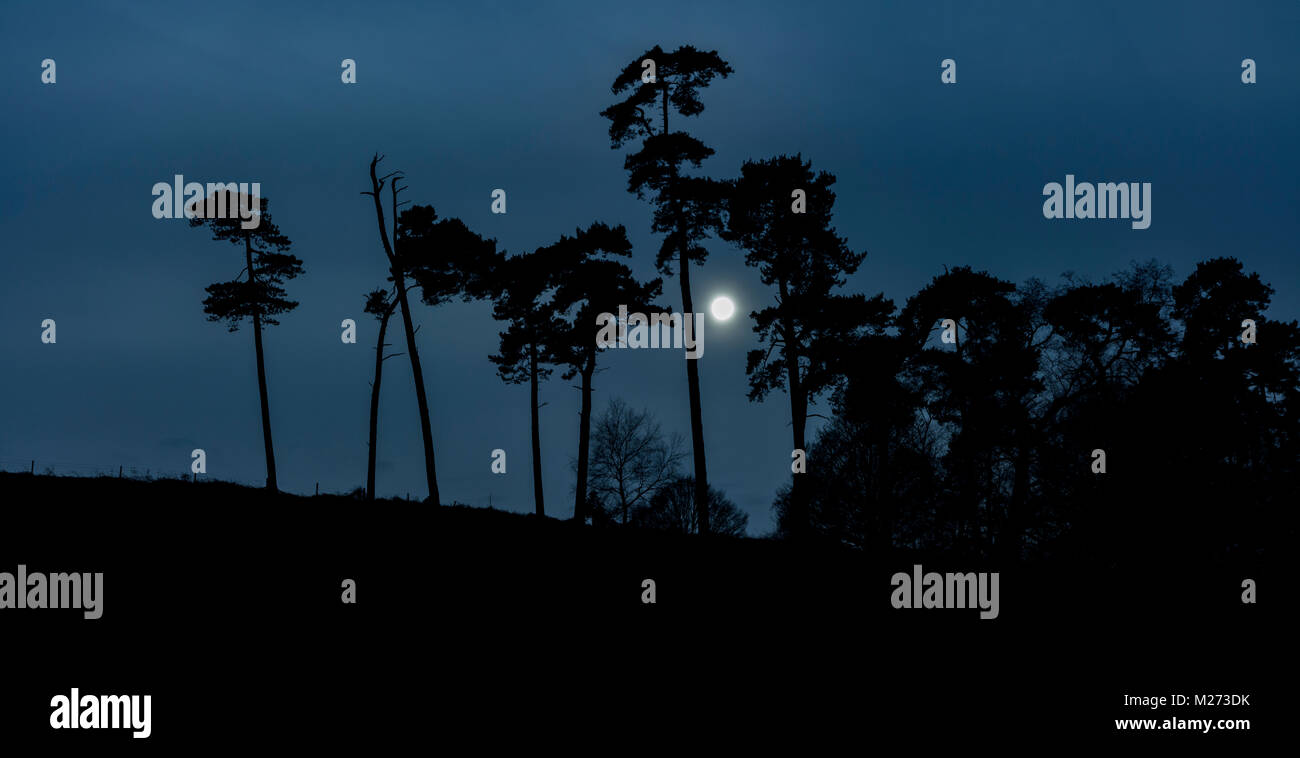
146	473
43	467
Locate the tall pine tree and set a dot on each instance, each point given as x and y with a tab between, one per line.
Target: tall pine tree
658	84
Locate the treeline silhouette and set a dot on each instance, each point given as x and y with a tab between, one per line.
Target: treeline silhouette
1055	417
988	446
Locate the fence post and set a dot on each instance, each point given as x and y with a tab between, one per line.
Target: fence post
317	488
119	472
33	468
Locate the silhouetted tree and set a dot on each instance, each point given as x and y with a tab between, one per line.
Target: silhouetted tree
984	446
521	286
1102	344
590	282
686	208
444	257
1238	401
259	297
441	257
398	276
672	508
806	333
631	459
980	390
379	305
873	481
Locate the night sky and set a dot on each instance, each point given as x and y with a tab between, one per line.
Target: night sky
468	97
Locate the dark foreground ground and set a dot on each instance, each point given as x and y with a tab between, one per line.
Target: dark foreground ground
475	627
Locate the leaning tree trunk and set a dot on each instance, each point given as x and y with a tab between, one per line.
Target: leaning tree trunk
584	439
421	400
399	279
374	404
261	377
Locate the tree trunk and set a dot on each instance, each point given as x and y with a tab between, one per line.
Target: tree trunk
622	490
374	405
1014	526
422	401
584	439
261	378
693	390
800	524
399	278
537	434
692	370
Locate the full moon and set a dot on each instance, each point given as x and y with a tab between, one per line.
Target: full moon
722	308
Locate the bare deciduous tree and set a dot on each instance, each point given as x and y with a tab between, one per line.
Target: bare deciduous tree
630	458
672	508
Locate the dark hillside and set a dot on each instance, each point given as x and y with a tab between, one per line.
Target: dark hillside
501	610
